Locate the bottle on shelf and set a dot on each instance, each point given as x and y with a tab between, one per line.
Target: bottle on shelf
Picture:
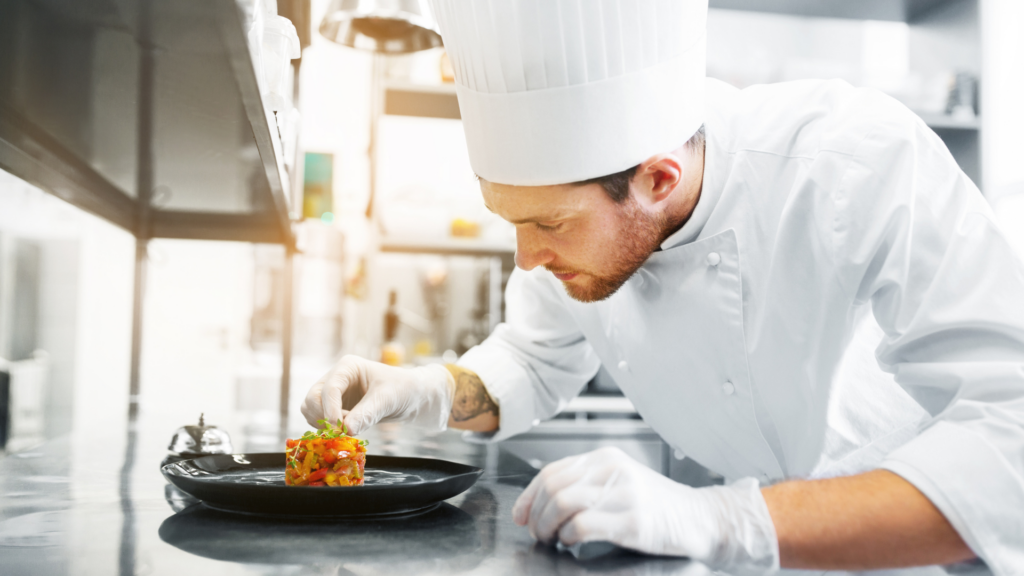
392	352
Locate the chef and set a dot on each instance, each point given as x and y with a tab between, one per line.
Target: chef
795	285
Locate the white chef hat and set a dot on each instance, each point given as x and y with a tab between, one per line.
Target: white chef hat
559	91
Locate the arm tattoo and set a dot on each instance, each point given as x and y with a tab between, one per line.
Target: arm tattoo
471	398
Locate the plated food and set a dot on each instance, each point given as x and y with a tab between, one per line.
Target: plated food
326	457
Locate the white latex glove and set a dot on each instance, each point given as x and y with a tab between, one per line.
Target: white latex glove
605	495
363	393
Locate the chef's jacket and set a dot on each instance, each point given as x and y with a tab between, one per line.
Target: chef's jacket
841	299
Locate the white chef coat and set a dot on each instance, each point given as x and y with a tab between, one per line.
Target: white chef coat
827	212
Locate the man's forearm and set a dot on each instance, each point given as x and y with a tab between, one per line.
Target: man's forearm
869	521
472	407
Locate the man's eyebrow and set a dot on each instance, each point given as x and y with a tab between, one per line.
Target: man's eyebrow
538	219
524	221
533	219
520	221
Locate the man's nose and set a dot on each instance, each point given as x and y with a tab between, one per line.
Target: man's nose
530	253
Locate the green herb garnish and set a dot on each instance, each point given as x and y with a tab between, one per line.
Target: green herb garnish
328	430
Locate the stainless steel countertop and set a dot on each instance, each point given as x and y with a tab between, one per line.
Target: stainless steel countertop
95	504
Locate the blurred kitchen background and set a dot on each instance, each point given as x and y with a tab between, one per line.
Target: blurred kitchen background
276	187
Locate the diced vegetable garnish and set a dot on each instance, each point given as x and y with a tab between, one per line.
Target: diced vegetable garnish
326	457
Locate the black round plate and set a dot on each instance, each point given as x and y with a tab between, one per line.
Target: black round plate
254	484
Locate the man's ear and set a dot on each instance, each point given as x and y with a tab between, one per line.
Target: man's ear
658	176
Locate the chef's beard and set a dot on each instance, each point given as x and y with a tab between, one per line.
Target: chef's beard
638	238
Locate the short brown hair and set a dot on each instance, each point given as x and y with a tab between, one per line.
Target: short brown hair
617	185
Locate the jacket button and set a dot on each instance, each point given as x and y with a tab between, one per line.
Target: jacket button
679	454
714	259
623	366
728	388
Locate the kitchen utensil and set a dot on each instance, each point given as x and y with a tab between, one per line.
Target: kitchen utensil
192	441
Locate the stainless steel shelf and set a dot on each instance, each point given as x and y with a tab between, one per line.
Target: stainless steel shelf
429	101
86	137
446	246
947	122
40	159
892	10
264	124
600	405
556	439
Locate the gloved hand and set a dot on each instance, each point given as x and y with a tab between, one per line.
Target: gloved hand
363	393
606	495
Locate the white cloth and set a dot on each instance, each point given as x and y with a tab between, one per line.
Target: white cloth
545	85
824	204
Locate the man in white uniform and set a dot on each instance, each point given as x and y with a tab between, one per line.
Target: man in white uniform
794	284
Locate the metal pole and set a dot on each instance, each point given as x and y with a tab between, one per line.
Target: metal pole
286	335
144	184
138	297
376	89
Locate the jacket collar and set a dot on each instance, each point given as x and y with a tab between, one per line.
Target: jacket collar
710	192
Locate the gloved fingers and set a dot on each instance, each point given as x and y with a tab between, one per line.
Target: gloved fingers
574	475
601	467
521	510
561	508
312	408
375	406
330	401
592	525
347	374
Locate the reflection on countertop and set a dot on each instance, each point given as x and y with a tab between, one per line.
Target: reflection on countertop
68	507
446	535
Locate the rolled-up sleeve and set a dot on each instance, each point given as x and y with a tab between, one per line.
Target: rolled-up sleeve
920	244
535	361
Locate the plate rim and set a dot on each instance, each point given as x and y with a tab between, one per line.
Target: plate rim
472	471
221	495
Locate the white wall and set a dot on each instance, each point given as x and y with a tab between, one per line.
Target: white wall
1002	96
1002	100
747	48
196	331
85	302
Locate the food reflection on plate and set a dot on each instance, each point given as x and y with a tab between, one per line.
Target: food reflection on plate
445	534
